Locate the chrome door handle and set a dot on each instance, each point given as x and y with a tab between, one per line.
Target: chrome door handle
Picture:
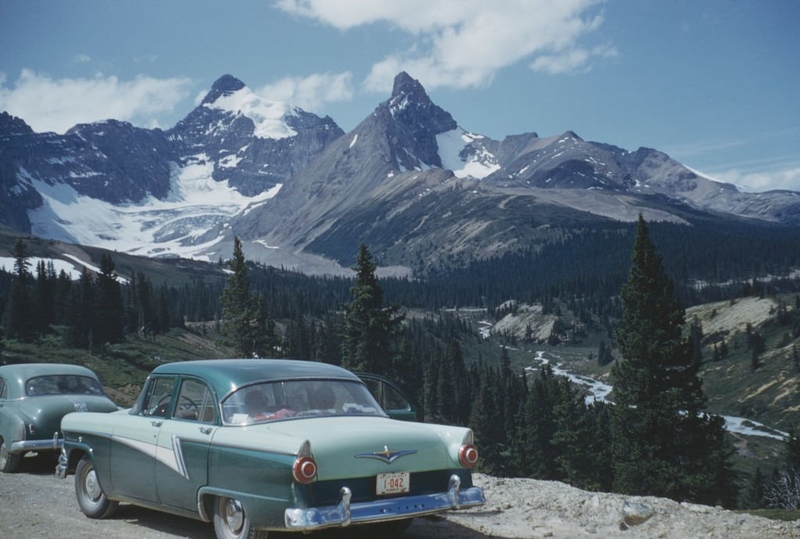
205	430
156	423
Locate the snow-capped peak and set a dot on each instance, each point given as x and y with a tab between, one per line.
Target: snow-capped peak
267	116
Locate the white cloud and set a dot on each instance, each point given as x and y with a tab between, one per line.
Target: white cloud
48	104
571	60
758	181
312	92
463	43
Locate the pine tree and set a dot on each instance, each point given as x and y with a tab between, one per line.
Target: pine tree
21	322
370	328
110	311
81	312
244	318
663	442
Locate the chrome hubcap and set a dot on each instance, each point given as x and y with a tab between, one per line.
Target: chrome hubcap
91	486
234	515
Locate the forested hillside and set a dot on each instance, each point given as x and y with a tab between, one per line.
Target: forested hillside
423	333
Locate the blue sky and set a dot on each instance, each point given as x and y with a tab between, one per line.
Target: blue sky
713	83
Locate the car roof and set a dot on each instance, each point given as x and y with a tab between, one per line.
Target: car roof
229	374
28	370
17	374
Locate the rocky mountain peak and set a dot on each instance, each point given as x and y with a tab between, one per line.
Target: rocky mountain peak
225	85
11	125
405	84
410	104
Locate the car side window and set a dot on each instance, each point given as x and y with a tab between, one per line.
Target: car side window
195	402
2	389
159	395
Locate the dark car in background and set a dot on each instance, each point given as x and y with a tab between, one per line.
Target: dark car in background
33	399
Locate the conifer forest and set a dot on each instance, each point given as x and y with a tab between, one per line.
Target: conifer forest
631	281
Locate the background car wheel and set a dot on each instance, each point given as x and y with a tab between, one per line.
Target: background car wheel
91	498
230	522
9	462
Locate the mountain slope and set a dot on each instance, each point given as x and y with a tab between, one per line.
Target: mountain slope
408	180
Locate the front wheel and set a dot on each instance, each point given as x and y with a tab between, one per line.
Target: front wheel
91	498
230	522
9	462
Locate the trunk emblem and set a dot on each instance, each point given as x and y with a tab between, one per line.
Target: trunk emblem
81	406
388	456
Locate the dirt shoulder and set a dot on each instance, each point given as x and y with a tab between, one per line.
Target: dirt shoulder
34	504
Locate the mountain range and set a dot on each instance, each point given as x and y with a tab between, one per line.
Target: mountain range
299	192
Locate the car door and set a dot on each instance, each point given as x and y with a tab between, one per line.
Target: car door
135	438
183	445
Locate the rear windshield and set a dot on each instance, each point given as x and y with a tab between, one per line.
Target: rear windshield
271	401
62	384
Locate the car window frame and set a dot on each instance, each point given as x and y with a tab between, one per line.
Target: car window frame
143	404
209	401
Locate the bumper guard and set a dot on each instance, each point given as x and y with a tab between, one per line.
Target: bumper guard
345	513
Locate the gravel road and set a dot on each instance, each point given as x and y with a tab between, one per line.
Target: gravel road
34	504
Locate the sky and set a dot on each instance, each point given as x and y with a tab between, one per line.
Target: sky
713	83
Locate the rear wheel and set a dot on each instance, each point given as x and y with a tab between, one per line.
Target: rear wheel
9	462
230	522
91	498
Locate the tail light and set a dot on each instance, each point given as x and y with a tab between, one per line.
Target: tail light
304	468
468	455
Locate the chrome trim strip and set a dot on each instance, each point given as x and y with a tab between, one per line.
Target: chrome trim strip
178	452
345	513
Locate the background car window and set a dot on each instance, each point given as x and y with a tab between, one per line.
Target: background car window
62	384
159	396
2	389
194	402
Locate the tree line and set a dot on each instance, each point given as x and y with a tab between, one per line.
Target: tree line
655	439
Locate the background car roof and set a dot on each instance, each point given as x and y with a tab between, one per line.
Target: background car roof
17	374
229	374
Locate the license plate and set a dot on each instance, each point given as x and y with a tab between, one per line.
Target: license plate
392	483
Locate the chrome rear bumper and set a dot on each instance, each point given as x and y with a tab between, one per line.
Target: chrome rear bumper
23	446
345	513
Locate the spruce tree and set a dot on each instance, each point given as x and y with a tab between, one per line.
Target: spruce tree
370	328
663	442
21	322
109	312
244	318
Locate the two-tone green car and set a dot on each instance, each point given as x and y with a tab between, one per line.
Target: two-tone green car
33	399
257	445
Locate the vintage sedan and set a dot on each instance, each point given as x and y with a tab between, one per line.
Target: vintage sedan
33	399
257	445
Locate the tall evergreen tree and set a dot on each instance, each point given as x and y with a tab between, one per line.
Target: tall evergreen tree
370	328
81	312
110	312
21	322
663	442
244	319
